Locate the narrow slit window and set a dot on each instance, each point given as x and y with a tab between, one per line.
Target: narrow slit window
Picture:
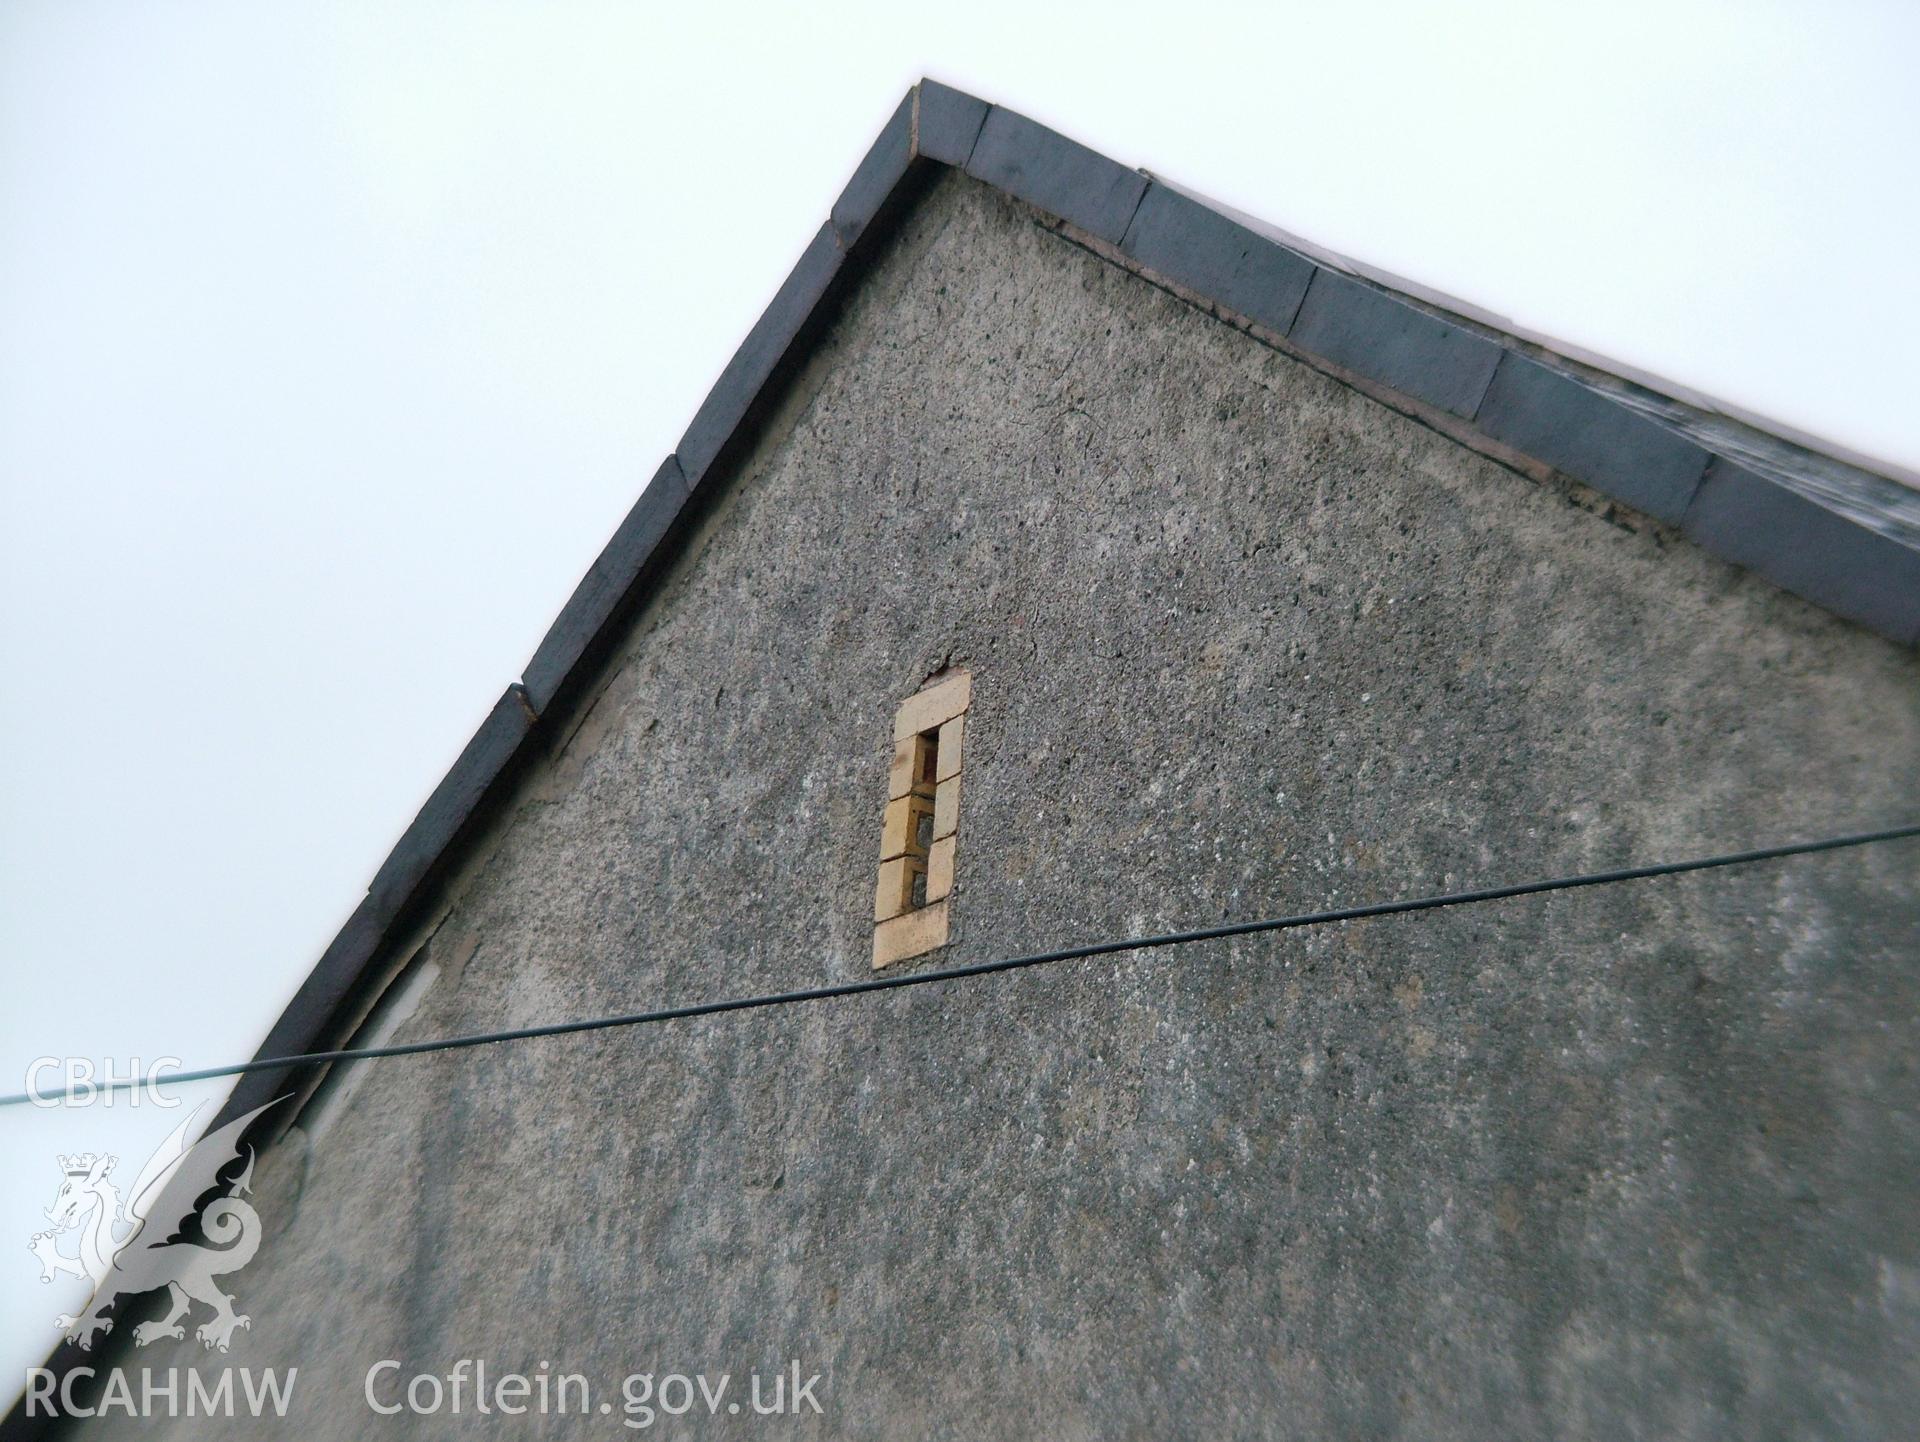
919	831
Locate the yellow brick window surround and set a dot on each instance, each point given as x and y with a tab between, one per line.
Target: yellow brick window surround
920	828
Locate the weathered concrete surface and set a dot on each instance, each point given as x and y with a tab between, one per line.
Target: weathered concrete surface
1629	1162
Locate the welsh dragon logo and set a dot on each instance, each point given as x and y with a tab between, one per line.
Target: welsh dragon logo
129	1247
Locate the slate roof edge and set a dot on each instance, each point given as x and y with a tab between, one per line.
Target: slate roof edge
1517	397
1575	356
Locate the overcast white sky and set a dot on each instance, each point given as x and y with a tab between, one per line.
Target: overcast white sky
334	341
